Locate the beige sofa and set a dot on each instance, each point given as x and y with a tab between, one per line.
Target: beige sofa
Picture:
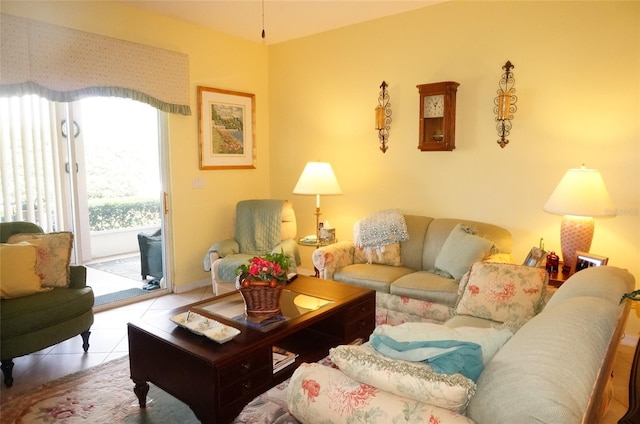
554	369
411	289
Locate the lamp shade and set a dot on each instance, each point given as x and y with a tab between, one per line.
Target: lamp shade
581	192
317	178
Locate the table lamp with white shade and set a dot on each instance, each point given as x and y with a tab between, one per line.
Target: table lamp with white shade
317	179
580	196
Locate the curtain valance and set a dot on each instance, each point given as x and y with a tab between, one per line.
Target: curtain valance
63	64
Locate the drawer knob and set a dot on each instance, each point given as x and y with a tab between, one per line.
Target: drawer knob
246	385
246	366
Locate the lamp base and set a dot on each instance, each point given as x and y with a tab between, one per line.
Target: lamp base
576	233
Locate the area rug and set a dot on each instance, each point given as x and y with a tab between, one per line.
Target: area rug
100	395
124	267
104	395
118	296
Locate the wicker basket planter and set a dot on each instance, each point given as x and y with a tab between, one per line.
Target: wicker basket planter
261	298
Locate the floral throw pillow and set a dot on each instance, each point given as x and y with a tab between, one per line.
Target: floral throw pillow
54	256
385	255
319	394
502	292
413	380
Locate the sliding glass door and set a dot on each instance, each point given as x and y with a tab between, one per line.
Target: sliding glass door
91	167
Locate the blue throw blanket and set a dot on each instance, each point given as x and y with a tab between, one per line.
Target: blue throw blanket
443	356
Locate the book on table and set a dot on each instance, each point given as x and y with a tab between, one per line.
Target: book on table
282	358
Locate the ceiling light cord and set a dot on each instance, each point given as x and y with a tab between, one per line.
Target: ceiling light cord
263	34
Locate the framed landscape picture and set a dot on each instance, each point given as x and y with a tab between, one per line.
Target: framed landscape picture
226	125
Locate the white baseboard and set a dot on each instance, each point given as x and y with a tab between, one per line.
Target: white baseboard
628	340
182	288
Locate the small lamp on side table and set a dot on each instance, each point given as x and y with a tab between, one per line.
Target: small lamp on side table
580	196
317	179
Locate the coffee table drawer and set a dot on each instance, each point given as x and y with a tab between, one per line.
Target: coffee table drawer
244	366
361	310
248	386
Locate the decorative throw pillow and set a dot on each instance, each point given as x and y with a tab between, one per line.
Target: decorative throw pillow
322	394
54	256
461	250
18	275
385	255
413	380
502	292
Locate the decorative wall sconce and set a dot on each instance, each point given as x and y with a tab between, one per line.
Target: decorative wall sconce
383	116
505	104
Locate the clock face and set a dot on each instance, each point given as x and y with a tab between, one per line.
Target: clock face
434	106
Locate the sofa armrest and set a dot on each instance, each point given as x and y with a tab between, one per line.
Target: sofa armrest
220	250
318	393
327	259
78	276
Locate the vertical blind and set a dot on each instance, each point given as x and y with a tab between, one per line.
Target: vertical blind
31	180
64	65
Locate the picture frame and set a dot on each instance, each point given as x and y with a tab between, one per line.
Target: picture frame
584	260
536	257
226	129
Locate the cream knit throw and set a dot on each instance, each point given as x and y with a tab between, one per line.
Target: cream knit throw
379	229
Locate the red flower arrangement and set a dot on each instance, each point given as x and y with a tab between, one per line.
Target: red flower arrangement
273	266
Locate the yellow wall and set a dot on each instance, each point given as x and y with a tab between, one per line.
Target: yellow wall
577	72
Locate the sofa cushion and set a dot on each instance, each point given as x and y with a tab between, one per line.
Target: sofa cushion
322	394
54	256
558	355
502	292
371	276
414	380
18	276
423	285
461	250
386	255
26	314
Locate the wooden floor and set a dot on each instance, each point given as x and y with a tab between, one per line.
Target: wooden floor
621	369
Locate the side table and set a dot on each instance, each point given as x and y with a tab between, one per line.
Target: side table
317	245
556	279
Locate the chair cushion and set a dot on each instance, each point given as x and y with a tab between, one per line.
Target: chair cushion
25	314
18	276
225	268
54	256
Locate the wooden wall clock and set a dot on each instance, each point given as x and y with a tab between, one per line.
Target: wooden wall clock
437	116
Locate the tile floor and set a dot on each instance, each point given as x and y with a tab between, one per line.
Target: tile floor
108	341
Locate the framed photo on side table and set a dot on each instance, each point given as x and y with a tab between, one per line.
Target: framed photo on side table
226	129
585	260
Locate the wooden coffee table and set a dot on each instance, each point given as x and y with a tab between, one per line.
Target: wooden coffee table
218	380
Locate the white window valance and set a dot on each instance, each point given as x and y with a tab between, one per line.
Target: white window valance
64	65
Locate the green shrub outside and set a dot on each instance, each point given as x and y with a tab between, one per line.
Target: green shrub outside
114	214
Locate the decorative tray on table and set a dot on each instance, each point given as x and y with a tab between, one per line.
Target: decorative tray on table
204	326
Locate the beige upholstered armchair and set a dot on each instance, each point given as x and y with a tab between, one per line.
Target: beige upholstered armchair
261	226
